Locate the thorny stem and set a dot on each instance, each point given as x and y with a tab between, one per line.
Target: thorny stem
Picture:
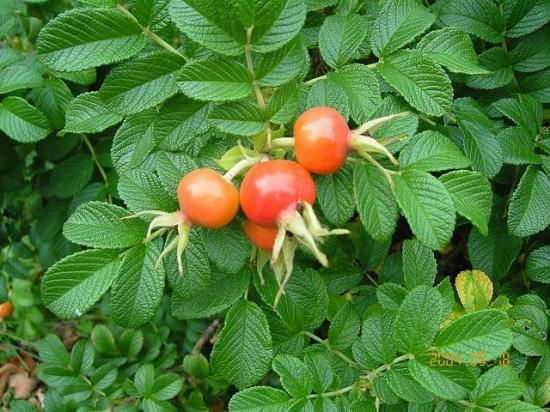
241	166
316	338
99	167
206	334
333	393
157	39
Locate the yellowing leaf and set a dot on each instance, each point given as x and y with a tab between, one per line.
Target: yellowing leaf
475	290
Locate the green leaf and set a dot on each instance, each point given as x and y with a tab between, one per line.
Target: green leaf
537	85
398	23
375	201
472	196
538	264
480	142
523	110
228	248
513	406
523	17
427	206
430	151
151	13
9	56
499	70
52	351
362	89
260	399
243	118
344	328
243	351
283	65
518	147
142	190
19	77
295	376
141	83
529	210
481	18
100	225
485	331
340	37
138	288
401	382
328	93
335	195
71	175
110	36
21	121
88	114
451	383
74	284
82	357
532	53
320	370
419	265
452	48
144	379
171	167
218	80
53	99
215	297
104	376
498	384
166	386
418	319
423	84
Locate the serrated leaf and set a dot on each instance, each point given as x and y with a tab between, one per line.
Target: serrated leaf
141	83
430	151
466	15
137	290
110	36
423	84
53	99
518	147
472	196
243	118
451	383
88	114
142	190
485	331
335	195
419	265
295	376
362	89
494	253
340	37
52	351
398	23
100	225
475	290
401	382
498	384
529	210
260	399
427	206
151	13
171	167
418	319
243	350
213	298
219	80
9	56
281	66
228	248
499	70
523	110
344	328
328	93
538	264
480	142
71	175
523	17
19	77
21	121
74	284
375	201
532	53
537	85
320	370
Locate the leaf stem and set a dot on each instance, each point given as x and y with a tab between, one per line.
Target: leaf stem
333	393
98	165
384	171
147	31
314	80
325	342
250	66
370	377
241	166
474	406
374	124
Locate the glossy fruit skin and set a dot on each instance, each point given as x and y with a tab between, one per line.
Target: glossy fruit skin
206	199
5	309
321	139
260	236
272	189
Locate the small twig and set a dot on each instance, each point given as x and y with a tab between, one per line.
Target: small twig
314	80
99	167
316	338
206	334
333	393
250	66
370	377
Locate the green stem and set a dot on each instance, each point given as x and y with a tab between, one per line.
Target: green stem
241	166
331	394
98	165
384	171
314	80
316	338
380	369
283	143
474	406
250	66
153	36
